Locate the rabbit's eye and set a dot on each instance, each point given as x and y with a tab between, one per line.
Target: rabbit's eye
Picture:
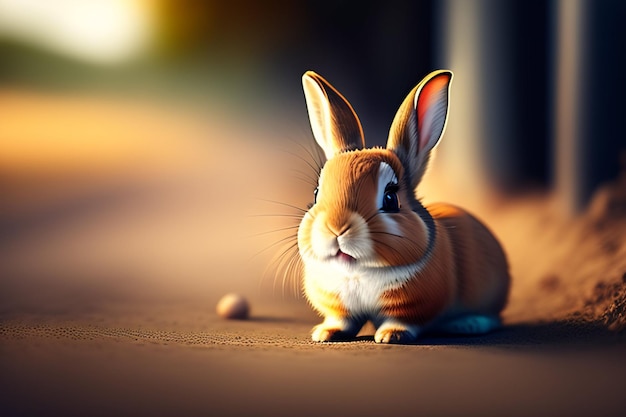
391	204
310	205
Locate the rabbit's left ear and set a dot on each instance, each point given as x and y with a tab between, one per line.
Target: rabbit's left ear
419	123
335	125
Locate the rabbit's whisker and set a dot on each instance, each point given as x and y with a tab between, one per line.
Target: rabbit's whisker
283	262
292	216
318	161
267	232
305	178
309	164
395	235
285	239
384	244
283	204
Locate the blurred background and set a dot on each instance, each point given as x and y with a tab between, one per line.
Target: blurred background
138	137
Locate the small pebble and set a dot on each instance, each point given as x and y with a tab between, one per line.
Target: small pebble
233	306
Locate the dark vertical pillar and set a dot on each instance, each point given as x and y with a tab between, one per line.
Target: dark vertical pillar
570	70
500	53
604	93
590	102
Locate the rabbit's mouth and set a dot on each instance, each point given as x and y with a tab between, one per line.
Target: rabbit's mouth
344	257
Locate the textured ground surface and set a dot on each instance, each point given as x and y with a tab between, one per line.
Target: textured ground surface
200	365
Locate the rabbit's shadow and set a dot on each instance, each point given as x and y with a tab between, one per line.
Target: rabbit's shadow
527	335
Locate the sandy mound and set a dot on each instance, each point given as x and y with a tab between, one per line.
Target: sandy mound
569	268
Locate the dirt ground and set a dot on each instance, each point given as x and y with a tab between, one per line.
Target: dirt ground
112	258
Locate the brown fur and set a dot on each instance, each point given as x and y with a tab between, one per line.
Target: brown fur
426	295
482	276
467	273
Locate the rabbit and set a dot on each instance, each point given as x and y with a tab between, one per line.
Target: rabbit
371	251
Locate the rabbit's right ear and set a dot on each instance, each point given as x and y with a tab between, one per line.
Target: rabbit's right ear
335	125
419	123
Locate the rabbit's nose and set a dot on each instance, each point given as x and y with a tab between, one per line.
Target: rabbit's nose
339	224
338	230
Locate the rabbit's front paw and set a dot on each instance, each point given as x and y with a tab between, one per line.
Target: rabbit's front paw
324	333
335	329
392	332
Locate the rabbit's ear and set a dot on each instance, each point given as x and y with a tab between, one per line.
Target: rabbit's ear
335	125
419	123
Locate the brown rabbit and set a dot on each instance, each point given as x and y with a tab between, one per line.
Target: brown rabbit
371	250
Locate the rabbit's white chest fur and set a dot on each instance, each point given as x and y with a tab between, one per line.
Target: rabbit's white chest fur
359	288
